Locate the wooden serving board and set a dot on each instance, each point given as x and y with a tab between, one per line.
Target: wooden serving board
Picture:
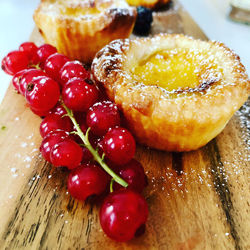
197	200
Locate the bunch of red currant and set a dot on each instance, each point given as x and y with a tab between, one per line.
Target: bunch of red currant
81	131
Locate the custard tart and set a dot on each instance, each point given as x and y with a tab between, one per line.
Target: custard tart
80	28
152	4
175	92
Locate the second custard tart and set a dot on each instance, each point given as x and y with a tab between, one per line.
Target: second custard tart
80	28
175	92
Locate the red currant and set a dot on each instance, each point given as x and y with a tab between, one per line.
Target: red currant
42	93
14	62
17	79
44	52
87	180
81	120
123	214
3	66
133	174
29	76
95	141
76	136
80	117
53	65
50	140
53	122
66	153
102	116
31	50
102	96
119	145
40	112
86	155
83	127
58	110
79	95
73	69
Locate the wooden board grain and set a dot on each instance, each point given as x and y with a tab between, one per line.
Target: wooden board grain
197	200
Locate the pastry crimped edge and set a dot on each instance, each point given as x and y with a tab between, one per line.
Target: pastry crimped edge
183	123
152	5
80	38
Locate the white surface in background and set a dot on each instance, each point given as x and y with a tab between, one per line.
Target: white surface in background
16	25
212	17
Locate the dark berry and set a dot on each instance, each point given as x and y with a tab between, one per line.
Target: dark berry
102	116
87	180
123	214
143	21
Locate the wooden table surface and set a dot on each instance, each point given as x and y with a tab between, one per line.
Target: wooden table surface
197	200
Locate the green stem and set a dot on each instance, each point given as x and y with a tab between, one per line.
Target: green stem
95	154
111	185
36	66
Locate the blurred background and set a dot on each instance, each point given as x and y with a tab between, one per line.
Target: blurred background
16	25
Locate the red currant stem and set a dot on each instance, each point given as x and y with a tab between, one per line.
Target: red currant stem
111	185
36	66
72	132
103	155
94	152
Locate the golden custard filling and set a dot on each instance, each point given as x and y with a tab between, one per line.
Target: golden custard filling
74	12
178	69
84	8
139	2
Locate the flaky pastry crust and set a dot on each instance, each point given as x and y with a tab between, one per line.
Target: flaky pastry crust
152	4
80	28
178	120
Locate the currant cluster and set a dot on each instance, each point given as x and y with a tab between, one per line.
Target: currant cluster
81	130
